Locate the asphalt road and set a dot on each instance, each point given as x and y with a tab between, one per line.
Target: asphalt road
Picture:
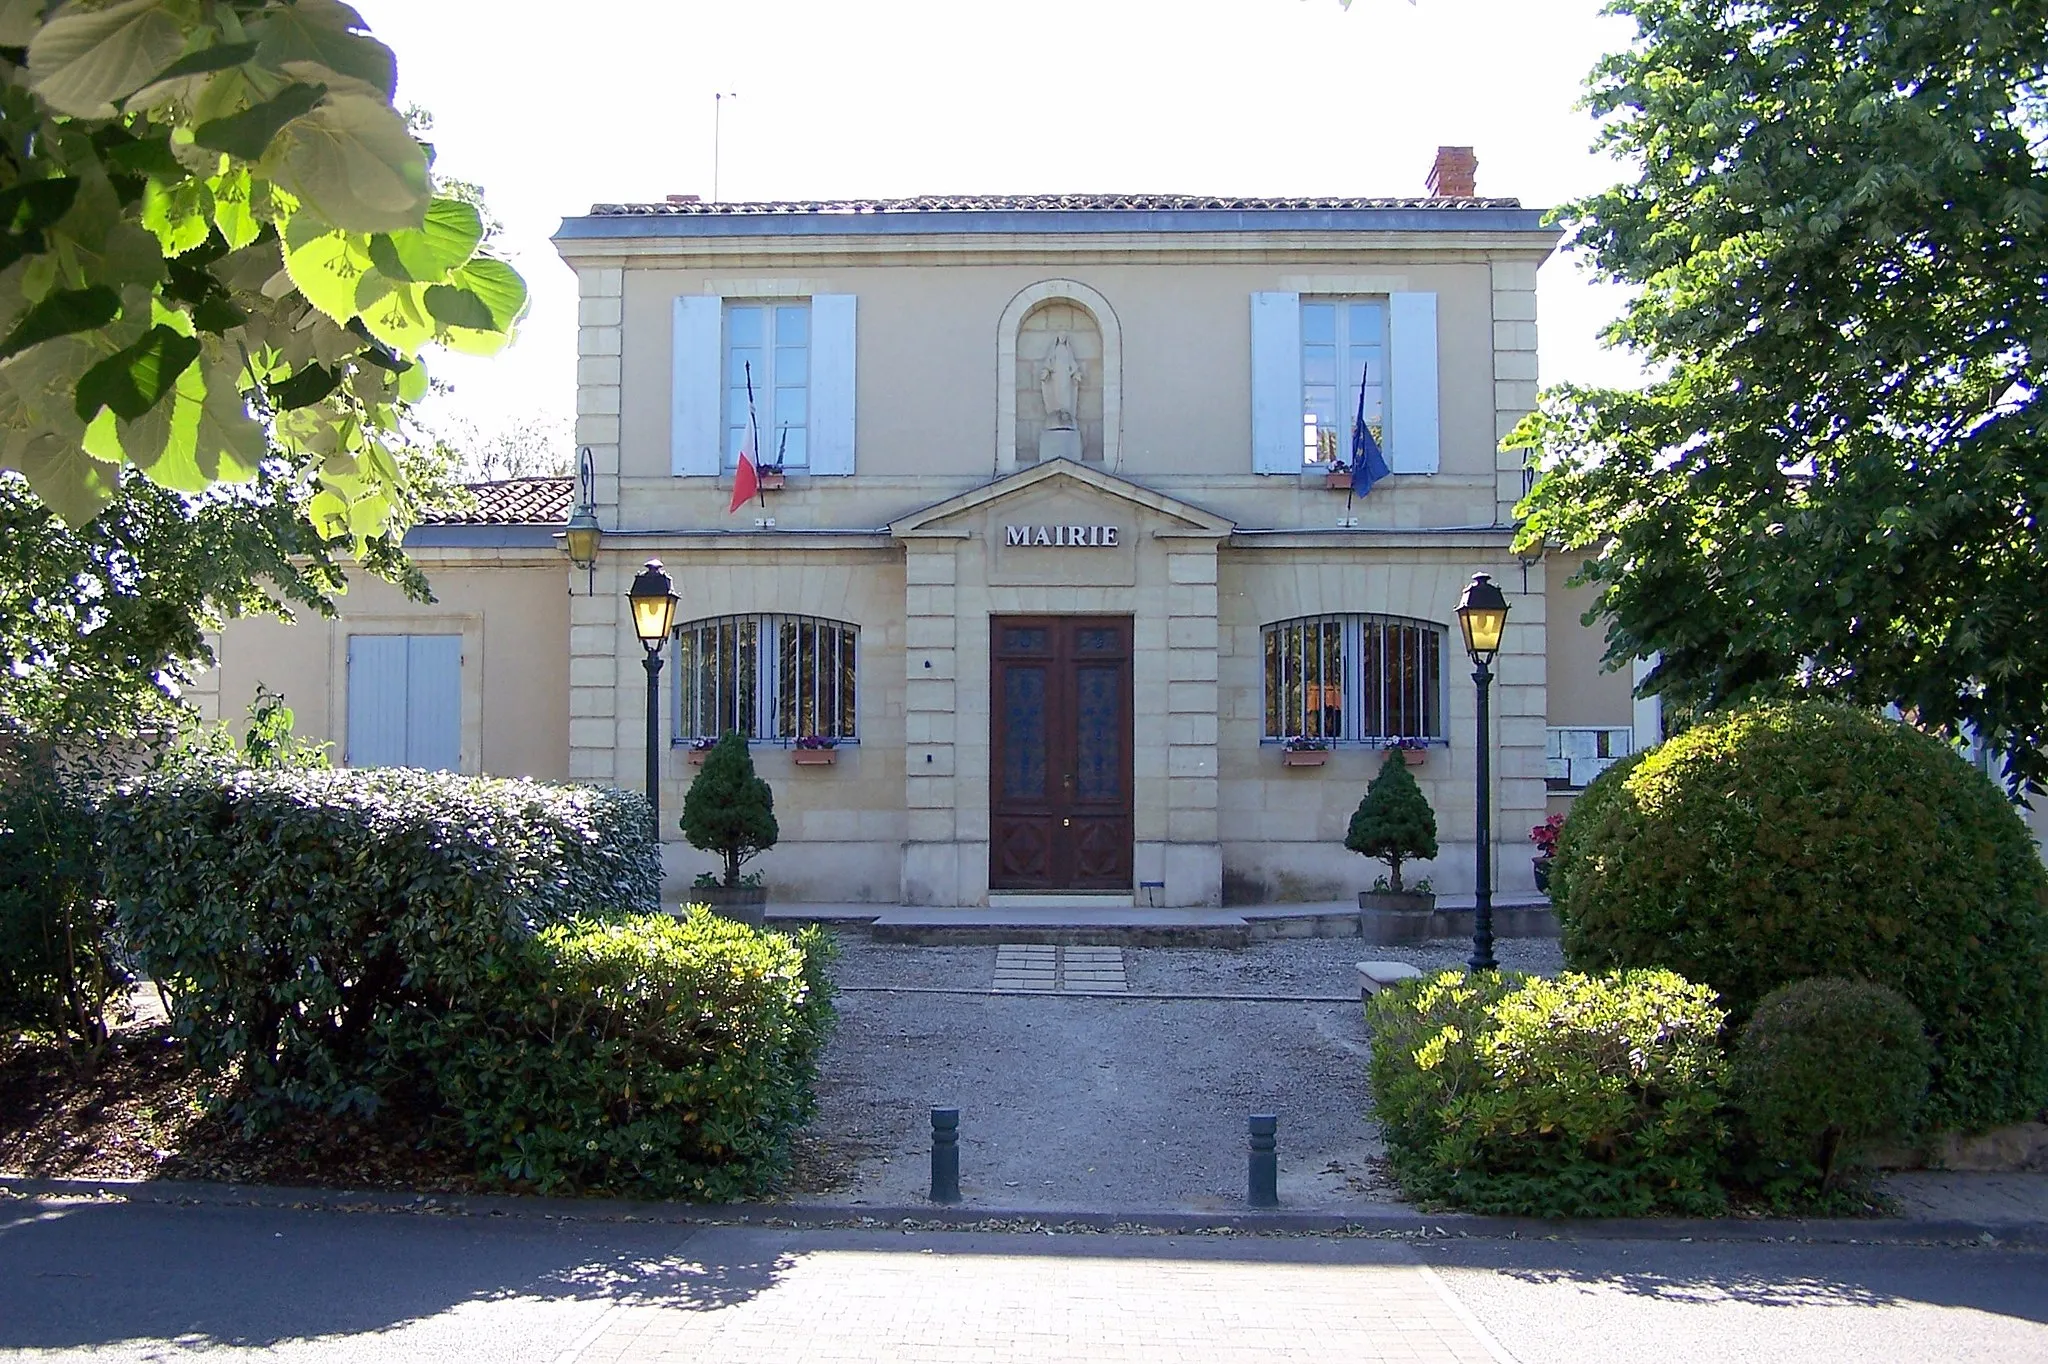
111	1280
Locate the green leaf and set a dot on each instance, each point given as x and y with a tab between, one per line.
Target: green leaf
217	313
179	214
145	156
83	60
429	253
318	31
218	57
412	383
353	161
73	484
35	204
453	307
303	389
132	381
231	214
249	133
328	266
60	314
395	315
498	285
19	20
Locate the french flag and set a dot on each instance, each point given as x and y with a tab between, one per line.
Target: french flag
746	480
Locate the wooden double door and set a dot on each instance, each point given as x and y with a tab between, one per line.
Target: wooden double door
1060	779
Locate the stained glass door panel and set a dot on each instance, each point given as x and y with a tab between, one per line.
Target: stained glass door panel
1060	789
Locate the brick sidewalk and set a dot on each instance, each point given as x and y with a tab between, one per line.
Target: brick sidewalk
848	1298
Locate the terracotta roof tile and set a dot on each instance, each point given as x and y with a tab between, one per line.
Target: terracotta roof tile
1036	203
516	502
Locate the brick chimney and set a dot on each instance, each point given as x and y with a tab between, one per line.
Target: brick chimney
682	198
1451	176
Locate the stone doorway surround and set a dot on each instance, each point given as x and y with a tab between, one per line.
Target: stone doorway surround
960	569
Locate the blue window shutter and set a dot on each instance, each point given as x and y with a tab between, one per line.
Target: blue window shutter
697	387
1276	383
832	384
1411	388
376	701
433	702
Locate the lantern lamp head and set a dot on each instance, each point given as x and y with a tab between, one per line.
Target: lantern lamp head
654	606
1483	616
581	537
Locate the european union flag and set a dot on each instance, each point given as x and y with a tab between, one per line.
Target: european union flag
1368	465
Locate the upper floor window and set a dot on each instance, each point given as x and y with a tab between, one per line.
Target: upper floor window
1343	350
1358	678
768	677
771	342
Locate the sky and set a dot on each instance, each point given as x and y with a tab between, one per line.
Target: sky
554	107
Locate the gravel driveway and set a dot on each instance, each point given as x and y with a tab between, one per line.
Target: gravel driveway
1090	1103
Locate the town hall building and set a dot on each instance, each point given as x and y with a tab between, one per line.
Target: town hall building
1059	581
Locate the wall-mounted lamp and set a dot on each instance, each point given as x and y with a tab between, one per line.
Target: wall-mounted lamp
582	536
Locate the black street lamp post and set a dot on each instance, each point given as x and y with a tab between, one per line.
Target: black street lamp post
1483	616
654	611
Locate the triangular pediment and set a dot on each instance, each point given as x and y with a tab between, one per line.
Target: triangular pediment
1059	475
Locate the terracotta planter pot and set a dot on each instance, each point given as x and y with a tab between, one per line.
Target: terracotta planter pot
814	757
742	904
1415	757
769	482
1337	483
698	755
1304	757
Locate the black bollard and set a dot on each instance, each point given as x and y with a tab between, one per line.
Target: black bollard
945	1155
1264	1177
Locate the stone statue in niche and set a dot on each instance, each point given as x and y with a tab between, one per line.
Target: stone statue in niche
1059	386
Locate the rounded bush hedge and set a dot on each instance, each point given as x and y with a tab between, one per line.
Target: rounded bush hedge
1579	1096
1803	839
1824	1067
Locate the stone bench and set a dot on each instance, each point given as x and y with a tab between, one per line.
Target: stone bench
1375	976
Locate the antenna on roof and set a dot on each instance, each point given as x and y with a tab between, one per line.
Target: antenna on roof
717	121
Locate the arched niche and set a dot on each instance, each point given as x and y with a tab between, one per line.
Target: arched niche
1025	334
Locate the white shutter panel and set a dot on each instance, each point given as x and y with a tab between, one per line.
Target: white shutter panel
376	701
433	702
1412	390
1276	383
832	383
697	387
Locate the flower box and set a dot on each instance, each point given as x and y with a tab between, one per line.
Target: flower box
1338	481
1304	757
698	755
814	757
768	482
1415	757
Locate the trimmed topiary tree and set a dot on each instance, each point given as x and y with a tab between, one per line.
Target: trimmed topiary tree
1393	821
1801	839
1824	1067
729	810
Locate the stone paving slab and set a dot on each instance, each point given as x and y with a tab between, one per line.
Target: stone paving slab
852	1298
1034	968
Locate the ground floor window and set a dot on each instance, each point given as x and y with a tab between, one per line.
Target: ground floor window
404	701
1358	678
768	677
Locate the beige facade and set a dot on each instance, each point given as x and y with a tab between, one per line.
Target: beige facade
927	428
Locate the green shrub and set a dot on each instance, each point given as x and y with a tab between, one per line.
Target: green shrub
1824	1067
1578	1096
642	1055
292	915
58	968
1792	840
728	810
1393	821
